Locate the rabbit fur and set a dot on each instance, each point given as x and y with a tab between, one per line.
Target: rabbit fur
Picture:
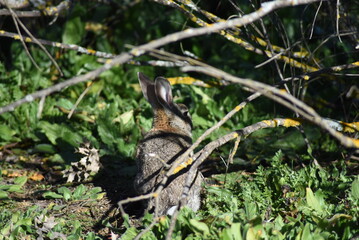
168	139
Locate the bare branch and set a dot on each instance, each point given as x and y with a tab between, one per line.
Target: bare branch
282	98
58	45
21	14
267	7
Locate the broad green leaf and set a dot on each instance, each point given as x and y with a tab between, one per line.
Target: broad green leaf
6	132
50	194
50	130
205	97
20	180
124	118
60	131
355	189
251	234
65	103
44	148
306	235
3	195
313	201
232	233
130	234
220	192
65	192
95	190
99	196
96	193
250	209
199	226
200	121
15	188
79	192
74	30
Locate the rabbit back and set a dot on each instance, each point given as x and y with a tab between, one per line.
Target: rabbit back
155	151
168	139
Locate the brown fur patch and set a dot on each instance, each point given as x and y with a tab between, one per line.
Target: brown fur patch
162	122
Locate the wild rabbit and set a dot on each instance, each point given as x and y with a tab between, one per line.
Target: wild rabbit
169	137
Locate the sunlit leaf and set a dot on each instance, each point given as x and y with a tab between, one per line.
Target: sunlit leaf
6	132
50	194
313	201
355	189
199	226
20	180
65	192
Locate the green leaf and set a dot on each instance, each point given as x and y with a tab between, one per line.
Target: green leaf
96	193
79	193
15	188
250	209
200	92
251	234
44	148
74	30
6	132
232	233
51	195
65	192
200	121
65	103
20	180
199	226
130	234
60	131
3	195
313	201
124	118
355	189
50	130
306	235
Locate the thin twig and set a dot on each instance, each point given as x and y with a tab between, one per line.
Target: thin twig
79	100
337	20
16	22
315	18
41	107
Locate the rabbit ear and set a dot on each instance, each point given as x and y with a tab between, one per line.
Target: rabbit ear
146	84
163	91
148	90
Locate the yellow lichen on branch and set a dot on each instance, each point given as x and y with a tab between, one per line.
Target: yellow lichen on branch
183	165
350	127
290	122
268	122
187	81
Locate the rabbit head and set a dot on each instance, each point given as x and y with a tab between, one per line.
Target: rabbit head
168	116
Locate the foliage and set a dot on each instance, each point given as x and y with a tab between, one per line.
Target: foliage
271	191
273	203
